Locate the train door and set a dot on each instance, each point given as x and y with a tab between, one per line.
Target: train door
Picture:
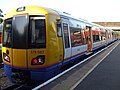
89	38
106	35
19	39
66	38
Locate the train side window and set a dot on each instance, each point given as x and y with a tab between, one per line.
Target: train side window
76	39
59	29
96	38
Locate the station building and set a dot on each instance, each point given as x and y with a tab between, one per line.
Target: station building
111	25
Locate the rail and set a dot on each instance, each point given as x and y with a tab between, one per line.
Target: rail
18	87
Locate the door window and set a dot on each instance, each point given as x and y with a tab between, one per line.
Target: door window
66	35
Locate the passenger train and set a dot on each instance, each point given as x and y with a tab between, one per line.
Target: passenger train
38	42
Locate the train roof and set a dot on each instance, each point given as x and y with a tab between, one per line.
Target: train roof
31	10
65	14
43	10
34	10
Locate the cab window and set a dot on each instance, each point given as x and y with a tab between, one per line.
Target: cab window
38	32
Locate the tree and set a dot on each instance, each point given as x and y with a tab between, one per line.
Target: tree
1	20
1	12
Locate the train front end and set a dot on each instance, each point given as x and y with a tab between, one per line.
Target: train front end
25	43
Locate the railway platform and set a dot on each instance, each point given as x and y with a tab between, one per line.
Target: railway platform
106	76
101	72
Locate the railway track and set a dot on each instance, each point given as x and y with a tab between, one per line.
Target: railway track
1	65
18	87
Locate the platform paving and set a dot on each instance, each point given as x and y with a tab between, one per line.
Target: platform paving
106	76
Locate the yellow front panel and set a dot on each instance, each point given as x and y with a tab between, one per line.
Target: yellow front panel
4	49
19	58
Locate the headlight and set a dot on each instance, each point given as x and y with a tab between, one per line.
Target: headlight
6	57
39	60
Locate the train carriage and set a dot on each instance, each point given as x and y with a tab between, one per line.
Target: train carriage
38	42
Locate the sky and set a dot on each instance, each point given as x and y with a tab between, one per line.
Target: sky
91	10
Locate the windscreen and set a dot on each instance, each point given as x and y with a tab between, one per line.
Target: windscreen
38	32
20	30
23	31
15	32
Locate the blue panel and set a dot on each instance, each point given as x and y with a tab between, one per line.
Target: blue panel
72	59
8	70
